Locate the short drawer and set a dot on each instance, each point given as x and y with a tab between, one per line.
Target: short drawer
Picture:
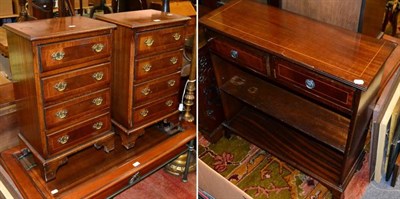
57	55
75	82
160	40
157	66
241	54
155	110
156	89
323	89
76	109
79	133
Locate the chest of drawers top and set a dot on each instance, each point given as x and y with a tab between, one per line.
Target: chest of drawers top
331	51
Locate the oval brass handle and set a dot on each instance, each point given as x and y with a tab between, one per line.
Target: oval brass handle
97	125
173	60
176	36
63	139
61	86
144	112
97	47
58	55
146	91
97	101
171	82
234	54
169	103
147	67
62	114
98	76
149	42
310	84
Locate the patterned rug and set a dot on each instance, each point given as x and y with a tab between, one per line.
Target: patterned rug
257	172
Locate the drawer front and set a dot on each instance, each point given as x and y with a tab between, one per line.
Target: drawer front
158	66
78	134
76	109
75	82
309	83
160	40
155	110
241	54
156	89
78	51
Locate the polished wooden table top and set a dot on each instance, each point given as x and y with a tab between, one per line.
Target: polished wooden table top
329	50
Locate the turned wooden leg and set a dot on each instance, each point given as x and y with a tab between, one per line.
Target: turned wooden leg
108	144
49	168
129	140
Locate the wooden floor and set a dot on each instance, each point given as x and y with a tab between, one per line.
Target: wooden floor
162	185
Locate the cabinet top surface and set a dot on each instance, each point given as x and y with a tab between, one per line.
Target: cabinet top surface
142	18
350	57
55	27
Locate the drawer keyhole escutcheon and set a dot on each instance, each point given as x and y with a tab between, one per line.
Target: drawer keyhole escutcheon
98	76
58	55
147	67
63	140
169	103
97	101
173	60
144	112
146	91
60	86
149	42
171	83
97	125
97	48
176	36
62	114
234	54
310	84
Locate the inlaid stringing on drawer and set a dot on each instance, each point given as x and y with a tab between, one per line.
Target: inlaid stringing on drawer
53	56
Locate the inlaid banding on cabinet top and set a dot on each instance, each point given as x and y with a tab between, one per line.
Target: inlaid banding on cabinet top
321	47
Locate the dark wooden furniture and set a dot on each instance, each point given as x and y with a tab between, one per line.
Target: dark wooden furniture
61	73
395	171
301	89
146	74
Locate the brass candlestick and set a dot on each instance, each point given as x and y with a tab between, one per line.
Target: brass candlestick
191	86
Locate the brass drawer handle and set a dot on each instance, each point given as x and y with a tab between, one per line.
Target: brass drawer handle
97	125
173	60
147	67
234	54
97	101
171	82
60	86
62	114
63	140
58	55
310	84
146	91
98	76
97	47
169	103
149	42
176	36
144	112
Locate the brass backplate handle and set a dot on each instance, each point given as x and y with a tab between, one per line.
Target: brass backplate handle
98	76
61	86
146	91
144	112
97	101
169	103
171	82
98	47
63	139
58	55
97	125
149	41
147	67
173	60
176	36
62	114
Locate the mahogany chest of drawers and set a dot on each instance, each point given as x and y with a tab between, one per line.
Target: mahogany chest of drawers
300	89
146	70
61	69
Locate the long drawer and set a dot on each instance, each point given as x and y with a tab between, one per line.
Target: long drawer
57	55
76	109
79	133
73	83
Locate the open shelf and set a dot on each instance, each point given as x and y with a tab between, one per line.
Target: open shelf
302	152
316	121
